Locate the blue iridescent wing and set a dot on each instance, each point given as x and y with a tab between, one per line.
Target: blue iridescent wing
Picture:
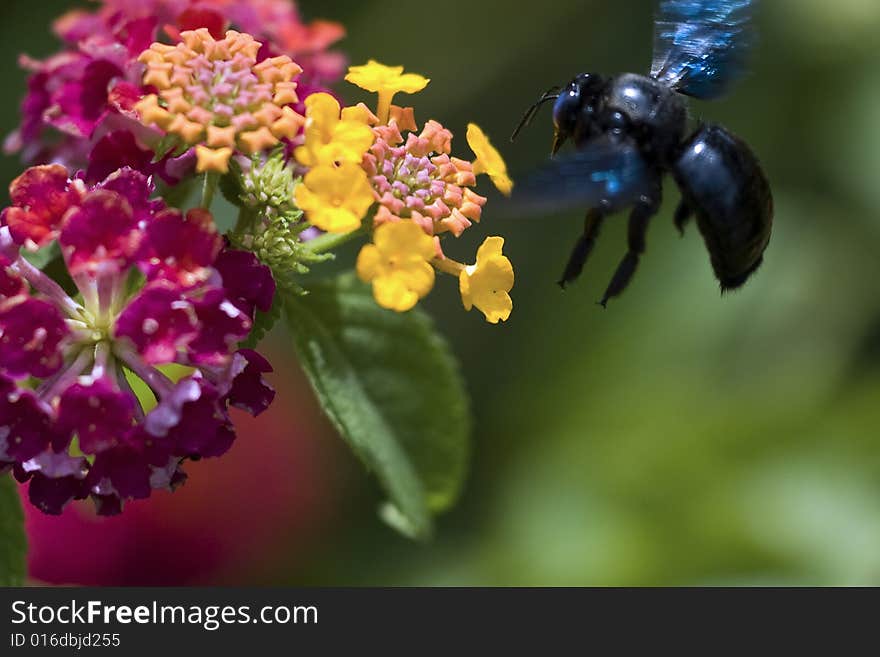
601	172
701	46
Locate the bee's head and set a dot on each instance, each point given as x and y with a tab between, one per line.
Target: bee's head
573	106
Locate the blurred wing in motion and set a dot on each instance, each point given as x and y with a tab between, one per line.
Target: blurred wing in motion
701	46
600	173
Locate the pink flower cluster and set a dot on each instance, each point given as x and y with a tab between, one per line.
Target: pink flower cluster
121	358
417	179
88	406
80	98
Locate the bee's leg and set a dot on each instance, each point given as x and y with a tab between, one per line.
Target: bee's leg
647	207
683	215
592	226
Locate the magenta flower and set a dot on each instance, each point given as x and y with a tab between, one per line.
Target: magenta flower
88	90
82	92
154	287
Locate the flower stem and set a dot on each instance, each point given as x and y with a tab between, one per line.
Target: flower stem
51	388
329	241
45	285
244	227
160	384
447	266
209	188
383	111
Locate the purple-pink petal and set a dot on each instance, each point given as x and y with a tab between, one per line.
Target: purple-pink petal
247	281
101	235
98	413
159	322
51	495
193	418
11	285
136	188
57	464
180	247
250	391
26	427
41	197
125	469
221	324
31	332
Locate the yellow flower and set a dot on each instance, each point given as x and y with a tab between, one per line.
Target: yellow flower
489	160
398	265
329	140
385	81
335	199
487	283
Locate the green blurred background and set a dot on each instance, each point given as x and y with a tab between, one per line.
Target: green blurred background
678	438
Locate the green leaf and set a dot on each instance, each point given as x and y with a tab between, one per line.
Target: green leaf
44	256
13	545
391	386
179	196
169	143
230	184
51	262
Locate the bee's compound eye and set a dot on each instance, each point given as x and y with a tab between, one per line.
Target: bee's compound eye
566	109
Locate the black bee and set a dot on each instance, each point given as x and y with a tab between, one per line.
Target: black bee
629	130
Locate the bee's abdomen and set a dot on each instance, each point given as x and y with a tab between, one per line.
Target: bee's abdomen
723	184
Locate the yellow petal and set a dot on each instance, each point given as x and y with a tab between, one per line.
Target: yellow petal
258	140
219	137
190	131
404	117
323	180
152	114
403	238
210	159
411	83
288	125
464	287
369	263
349	142
489	160
322	108
418	275
491	246
360	113
390	292
377	77
496	275
306	200
335	199
487	284
361	197
334	220
304	156
499	310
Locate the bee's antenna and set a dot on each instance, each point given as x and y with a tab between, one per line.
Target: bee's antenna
551	94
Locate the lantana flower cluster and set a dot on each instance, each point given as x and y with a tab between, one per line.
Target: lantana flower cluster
409	187
121	316
128	321
152	287
215	95
80	103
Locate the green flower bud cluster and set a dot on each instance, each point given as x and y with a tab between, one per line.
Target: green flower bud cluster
279	246
268	187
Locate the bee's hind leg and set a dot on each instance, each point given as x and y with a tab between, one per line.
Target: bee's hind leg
641	215
683	215
584	246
